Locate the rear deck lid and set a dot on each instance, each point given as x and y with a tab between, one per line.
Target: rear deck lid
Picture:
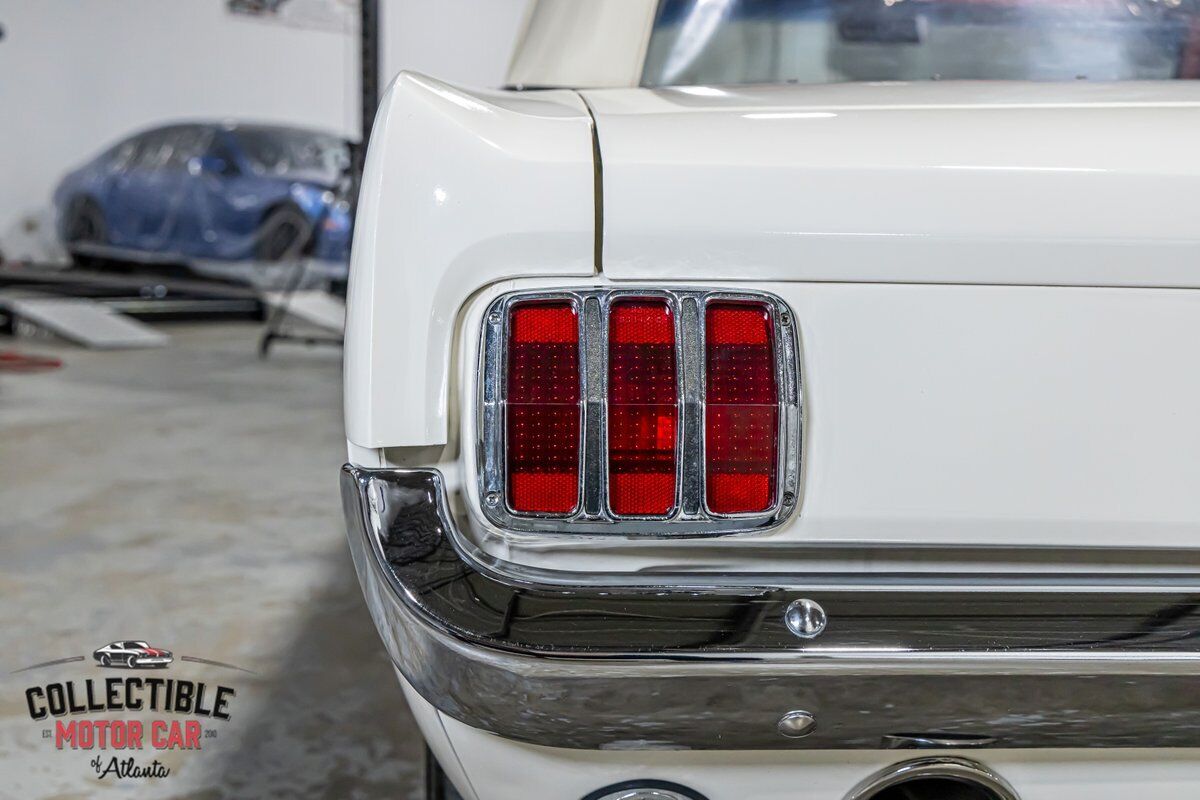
958	182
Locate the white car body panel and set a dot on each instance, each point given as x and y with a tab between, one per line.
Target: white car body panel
953	182
969	416
503	185
504	768
996	314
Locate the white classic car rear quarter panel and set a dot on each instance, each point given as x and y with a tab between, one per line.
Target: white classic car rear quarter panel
461	189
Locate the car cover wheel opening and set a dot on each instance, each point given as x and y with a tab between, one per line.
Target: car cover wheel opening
85	226
129	662
105	661
283	235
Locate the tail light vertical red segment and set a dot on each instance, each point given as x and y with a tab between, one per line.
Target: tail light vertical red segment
741	408
543	408
642	408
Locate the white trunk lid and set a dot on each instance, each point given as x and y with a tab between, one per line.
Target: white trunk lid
999	183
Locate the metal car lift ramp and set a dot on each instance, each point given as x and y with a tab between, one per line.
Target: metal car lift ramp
83	321
142	296
106	310
316	308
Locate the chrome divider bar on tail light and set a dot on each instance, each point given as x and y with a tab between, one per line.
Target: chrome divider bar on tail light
690	517
691	371
595	464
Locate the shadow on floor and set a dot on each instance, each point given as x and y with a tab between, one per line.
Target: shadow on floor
334	723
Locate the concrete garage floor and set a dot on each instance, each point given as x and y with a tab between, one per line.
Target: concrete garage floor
187	496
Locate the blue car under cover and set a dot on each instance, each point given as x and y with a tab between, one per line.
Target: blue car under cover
204	191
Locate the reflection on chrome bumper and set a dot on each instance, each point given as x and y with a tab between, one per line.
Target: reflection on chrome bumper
707	666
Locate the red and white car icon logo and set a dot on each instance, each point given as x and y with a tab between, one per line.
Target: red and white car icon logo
132	653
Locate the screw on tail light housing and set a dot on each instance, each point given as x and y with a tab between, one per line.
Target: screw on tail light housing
679	410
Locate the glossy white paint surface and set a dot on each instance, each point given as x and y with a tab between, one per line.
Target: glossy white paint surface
1084	184
499	769
952	415
577	45
461	189
429	721
487	767
946	403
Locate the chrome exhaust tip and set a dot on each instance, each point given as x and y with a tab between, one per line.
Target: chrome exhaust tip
935	778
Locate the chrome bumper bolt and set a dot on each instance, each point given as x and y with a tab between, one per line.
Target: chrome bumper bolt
797	724
805	618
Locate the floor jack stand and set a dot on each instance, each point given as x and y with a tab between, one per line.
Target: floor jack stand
275	330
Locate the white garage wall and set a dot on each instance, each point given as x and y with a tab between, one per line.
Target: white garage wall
460	41
76	75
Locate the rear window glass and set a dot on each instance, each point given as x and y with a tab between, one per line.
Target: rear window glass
154	150
187	143
288	151
830	41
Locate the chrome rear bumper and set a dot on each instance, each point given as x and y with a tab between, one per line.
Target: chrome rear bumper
715	667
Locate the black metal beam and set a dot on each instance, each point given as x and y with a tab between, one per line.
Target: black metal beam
369	65
368	92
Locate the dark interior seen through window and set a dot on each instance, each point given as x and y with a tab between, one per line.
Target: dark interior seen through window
829	41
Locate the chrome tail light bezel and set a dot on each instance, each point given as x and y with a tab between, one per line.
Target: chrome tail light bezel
690	515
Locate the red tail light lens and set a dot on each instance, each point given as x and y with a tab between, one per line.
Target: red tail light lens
642	408
640	411
741	415
542	411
